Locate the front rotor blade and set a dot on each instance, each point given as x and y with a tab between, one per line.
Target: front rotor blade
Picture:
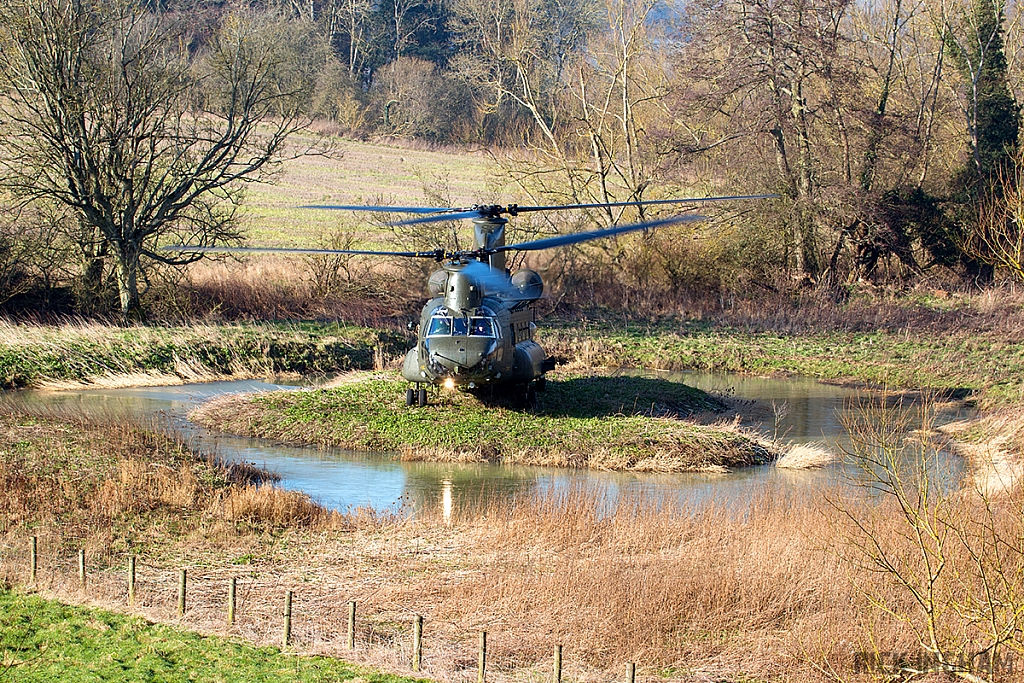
436	218
577	237
646	202
287	250
379	209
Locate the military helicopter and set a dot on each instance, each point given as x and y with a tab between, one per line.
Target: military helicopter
476	331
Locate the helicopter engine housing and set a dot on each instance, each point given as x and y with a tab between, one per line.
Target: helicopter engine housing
436	283
529	361
529	284
462	292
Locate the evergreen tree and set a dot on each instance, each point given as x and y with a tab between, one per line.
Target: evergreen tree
993	115
993	119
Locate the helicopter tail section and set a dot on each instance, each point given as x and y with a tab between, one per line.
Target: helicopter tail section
411	367
529	362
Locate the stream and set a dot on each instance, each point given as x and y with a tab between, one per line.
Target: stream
797	410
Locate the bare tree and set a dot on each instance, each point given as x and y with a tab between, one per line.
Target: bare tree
944	561
354	22
107	113
515	51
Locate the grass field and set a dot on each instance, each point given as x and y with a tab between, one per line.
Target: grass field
44	641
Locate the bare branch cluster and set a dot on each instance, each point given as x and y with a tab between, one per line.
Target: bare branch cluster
107	112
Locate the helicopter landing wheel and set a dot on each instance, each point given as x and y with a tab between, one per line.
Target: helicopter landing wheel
531	397
410	396
421	397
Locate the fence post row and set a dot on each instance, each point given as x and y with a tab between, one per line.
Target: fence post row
417	626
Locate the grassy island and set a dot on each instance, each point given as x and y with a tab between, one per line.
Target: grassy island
620	423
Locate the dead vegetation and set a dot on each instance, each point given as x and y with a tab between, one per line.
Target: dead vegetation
81	476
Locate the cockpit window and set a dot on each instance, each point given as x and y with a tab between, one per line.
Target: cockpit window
439	327
481	327
444	326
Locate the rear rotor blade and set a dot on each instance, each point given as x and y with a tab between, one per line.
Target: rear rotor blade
575	238
379	209
513	209
454	216
437	254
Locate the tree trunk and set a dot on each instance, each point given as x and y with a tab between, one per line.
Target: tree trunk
128	286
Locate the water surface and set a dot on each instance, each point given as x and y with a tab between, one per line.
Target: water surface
794	409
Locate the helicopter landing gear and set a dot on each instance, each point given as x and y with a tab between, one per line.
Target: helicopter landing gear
416	397
531	396
542	383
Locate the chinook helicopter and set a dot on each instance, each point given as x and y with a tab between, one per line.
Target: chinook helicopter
476	331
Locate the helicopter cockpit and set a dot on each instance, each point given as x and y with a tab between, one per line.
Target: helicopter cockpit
451	326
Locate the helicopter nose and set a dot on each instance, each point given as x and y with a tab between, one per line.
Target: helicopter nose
460	357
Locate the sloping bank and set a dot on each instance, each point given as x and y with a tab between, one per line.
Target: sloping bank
75	355
993	445
613	423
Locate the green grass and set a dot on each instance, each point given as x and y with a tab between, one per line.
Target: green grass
626	423
44	640
32	355
951	363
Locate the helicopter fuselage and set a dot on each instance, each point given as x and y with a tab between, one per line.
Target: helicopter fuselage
492	344
477	331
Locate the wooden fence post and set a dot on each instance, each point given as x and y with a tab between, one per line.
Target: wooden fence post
630	672
232	601
287	618
352	625
417	642
131	581
81	568
182	581
481	662
34	560
558	664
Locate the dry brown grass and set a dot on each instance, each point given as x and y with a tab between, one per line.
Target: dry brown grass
82	477
767	588
807	456
698	594
268	287
953	310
